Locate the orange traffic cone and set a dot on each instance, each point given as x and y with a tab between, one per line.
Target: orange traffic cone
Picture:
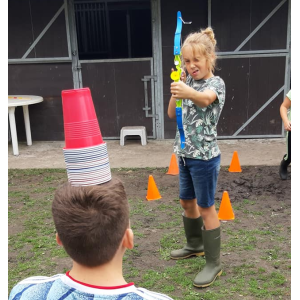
152	193
235	163
173	168
225	210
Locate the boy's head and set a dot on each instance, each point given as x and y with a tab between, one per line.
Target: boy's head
91	221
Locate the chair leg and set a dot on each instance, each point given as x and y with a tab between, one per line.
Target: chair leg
144	138
122	137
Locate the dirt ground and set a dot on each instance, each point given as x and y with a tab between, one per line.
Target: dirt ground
261	203
260	200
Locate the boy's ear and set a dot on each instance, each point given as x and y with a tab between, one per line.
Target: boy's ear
58	240
128	239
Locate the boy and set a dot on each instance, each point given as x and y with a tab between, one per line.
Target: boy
92	225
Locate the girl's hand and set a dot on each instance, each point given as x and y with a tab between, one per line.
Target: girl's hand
287	126
183	76
180	90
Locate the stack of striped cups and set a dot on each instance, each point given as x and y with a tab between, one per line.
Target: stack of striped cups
85	153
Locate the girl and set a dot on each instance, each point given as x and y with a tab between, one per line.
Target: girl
285	113
203	97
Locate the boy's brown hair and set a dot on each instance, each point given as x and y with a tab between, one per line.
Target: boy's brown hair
91	221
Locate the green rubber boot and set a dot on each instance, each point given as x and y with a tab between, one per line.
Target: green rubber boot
212	268
283	169
193	234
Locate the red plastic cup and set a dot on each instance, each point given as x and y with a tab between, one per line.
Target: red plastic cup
80	120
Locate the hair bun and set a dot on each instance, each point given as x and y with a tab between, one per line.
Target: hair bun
208	31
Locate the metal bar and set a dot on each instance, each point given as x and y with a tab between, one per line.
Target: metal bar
44	31
39	60
260	25
252	52
153	98
147	108
259	111
97	40
115	60
67	28
76	71
209	13
84	30
103	43
128	33
157	66
108	30
89	26
254	55
288	39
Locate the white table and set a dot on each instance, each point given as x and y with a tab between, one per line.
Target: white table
13	102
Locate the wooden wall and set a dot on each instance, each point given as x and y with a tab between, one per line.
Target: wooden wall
46	80
250	82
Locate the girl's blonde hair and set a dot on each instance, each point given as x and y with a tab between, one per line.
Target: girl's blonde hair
203	42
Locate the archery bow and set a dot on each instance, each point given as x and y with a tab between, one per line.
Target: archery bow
175	75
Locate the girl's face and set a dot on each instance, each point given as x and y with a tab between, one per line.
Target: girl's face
196	65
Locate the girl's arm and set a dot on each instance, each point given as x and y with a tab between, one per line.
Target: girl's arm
286	104
172	102
172	108
180	90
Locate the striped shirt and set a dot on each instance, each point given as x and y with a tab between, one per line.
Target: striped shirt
64	287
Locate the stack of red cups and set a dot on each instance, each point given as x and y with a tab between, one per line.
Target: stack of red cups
85	153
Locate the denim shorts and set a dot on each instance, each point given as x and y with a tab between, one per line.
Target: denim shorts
198	179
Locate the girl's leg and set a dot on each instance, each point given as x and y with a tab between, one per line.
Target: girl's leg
205	176
286	158
192	223
289	148
210	217
190	208
211	234
212	268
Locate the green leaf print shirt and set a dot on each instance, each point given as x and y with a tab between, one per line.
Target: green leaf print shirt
200	124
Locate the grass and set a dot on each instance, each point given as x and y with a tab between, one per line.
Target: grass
251	269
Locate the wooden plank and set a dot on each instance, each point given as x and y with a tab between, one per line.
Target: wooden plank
250	82
273	34
230	21
118	94
19	28
54	42
100	79
234	20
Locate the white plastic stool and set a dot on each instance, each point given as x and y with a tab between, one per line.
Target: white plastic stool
134	130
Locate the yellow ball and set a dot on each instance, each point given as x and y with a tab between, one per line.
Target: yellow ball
175	76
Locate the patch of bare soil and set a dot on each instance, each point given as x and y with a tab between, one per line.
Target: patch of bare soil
261	203
260	199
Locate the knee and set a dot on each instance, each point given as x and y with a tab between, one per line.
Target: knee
207	212
188	204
